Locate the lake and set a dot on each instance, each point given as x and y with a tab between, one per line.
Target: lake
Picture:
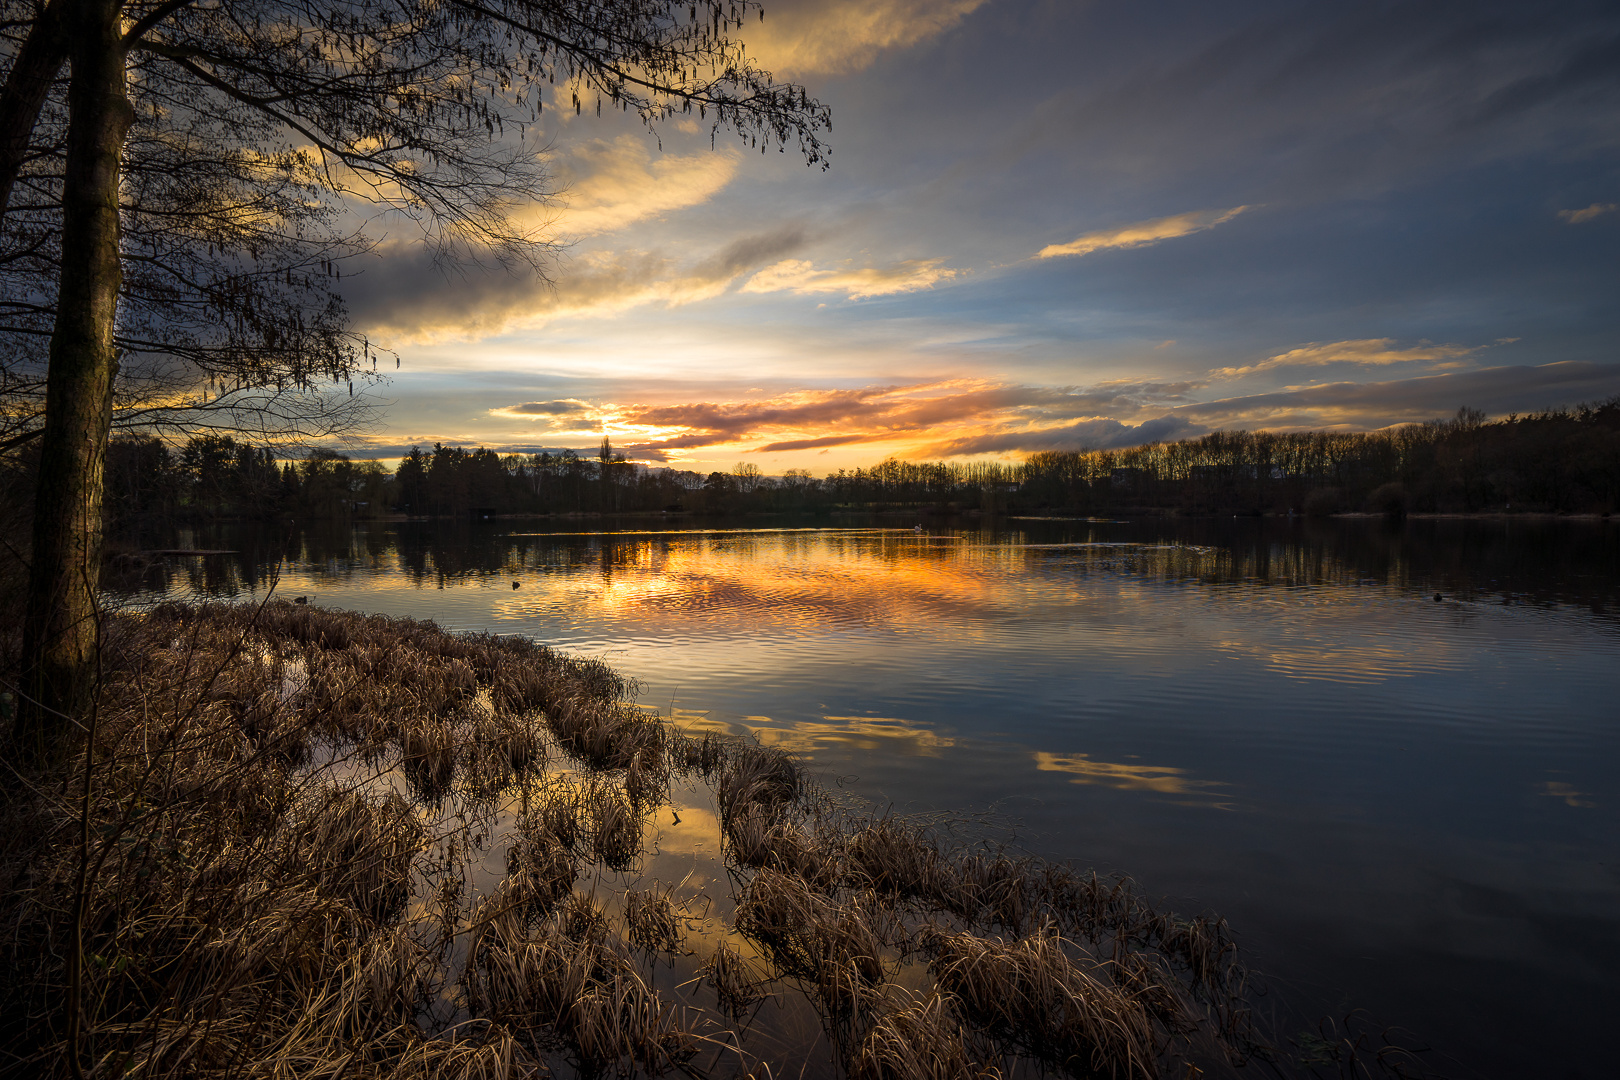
1405	804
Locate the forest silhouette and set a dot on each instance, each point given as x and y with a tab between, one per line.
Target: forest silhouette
1556	461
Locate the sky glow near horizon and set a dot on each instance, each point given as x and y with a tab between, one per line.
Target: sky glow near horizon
1054	225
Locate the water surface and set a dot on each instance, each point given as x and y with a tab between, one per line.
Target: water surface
1402	804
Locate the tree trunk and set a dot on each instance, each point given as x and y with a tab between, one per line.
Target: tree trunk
60	627
27	85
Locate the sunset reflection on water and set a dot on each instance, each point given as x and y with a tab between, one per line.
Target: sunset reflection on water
1273	720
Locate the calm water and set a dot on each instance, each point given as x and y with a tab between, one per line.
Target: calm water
1402	805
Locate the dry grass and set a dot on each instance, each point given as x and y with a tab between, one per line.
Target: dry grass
1030	991
752	775
734	980
649	917
615	827
285	808
249	861
569	974
557	811
893	860
922	1041
542	872
834	948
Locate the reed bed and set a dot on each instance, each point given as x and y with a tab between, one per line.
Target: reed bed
272	869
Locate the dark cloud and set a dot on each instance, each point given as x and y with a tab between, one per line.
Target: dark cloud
1314	100
547	408
405	292
1404	165
1594	69
1025	419
813	444
749	252
1365	406
1097	434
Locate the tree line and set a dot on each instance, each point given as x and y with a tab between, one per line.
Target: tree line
1558	461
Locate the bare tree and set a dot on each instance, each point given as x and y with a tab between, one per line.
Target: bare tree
337	108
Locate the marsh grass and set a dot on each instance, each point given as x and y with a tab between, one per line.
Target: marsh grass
733	979
920	1040
318	844
1034	992
649	916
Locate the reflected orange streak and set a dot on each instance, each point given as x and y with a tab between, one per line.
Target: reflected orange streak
757	585
1161	778
1559	790
802	580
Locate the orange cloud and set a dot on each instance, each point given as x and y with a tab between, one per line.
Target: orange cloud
954	417
967	417
801	276
1142	233
832	37
1370	351
1575	217
610	185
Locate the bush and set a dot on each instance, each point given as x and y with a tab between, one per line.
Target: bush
1322	502
1389	500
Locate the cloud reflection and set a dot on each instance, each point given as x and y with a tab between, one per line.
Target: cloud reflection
1560	790
1164	779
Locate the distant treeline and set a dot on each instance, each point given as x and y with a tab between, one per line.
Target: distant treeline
1556	461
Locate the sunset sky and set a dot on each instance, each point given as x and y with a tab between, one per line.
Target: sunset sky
1052	224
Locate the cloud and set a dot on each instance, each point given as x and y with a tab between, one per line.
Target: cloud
1098	433
404	299
966	417
834	37
813	444
1368	406
544	408
555	419
609	185
801	276
946	417
1575	217
1142	233
1369	351
970	417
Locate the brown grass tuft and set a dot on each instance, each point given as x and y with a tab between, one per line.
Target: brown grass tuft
923	1041
833	947
576	980
615	827
649	916
733	978
1031	992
